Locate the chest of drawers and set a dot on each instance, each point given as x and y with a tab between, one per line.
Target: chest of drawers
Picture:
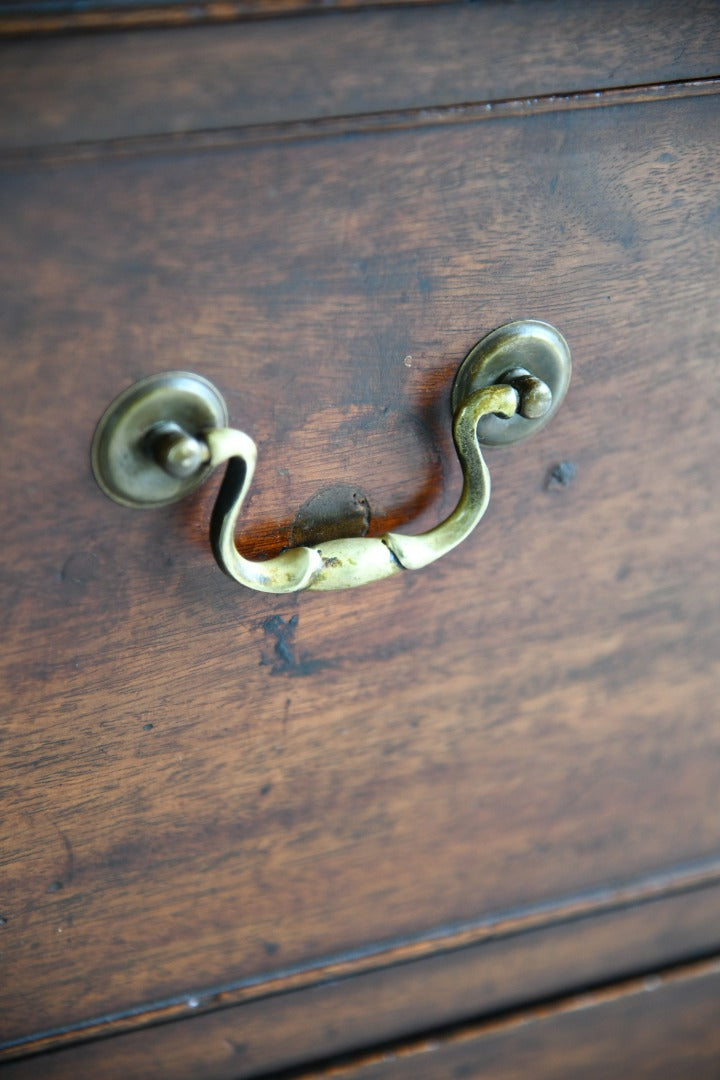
407	830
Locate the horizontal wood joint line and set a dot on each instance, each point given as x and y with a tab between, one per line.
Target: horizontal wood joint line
707	967
379	956
356	124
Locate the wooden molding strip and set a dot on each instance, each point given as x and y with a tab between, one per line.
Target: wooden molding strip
504	927
380	69
24	20
703	974
361	124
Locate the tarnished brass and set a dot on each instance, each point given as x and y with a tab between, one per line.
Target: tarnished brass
141	456
163	426
538	350
535	396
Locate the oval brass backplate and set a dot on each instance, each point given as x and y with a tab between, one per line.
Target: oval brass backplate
528	343
122	458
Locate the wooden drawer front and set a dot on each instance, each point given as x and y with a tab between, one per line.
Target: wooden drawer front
80	88
650	1029
212	795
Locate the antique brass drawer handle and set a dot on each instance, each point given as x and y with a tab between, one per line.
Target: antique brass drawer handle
162	437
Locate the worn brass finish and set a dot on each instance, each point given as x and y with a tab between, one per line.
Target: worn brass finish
535	396
145	451
177	453
533	347
340	564
162	437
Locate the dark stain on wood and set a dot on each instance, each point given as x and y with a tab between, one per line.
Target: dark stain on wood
284	649
561	475
333	513
284	658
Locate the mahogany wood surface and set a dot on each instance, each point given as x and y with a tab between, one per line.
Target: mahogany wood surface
338	1011
213	797
115	85
652	1029
35	17
26	17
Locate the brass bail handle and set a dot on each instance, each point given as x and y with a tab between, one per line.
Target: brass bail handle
161	438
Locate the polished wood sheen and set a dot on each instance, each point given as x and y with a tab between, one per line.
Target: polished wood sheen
26	17
651	1028
245	832
115	86
498	966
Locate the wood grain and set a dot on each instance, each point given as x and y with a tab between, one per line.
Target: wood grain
189	805
654	1028
391	120
24	17
390	997
117	85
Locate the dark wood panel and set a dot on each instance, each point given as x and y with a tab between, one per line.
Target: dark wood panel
189	805
517	963
128	84
190	142
42	17
655	1028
